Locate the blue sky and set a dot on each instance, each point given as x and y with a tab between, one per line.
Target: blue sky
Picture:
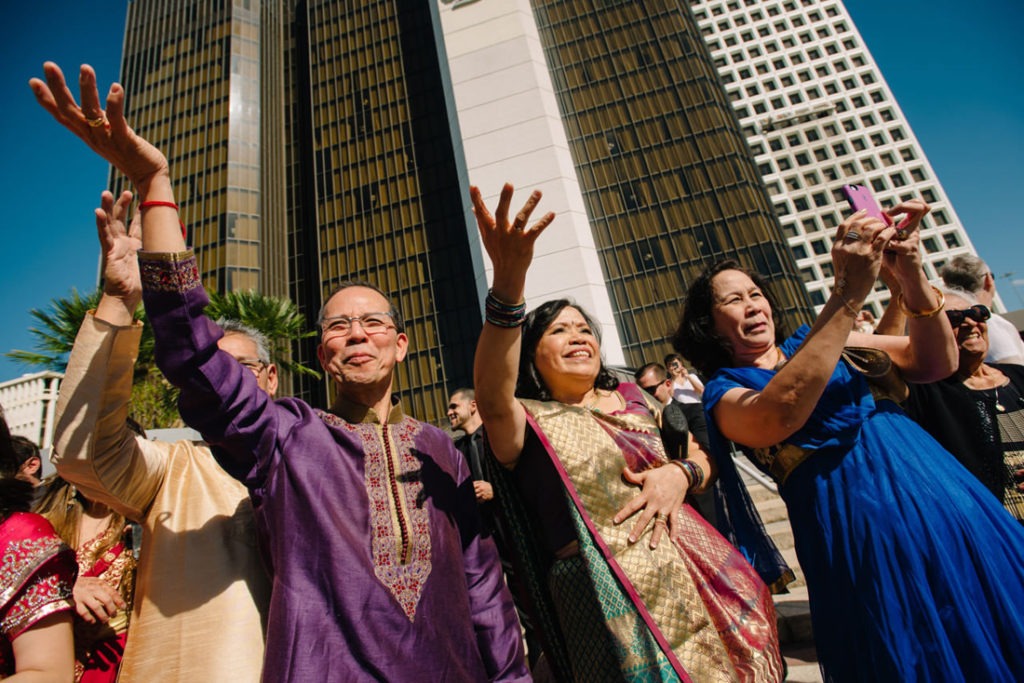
954	68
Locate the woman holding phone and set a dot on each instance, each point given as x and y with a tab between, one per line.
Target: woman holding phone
914	571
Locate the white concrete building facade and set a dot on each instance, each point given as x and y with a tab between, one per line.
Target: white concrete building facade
818	114
30	404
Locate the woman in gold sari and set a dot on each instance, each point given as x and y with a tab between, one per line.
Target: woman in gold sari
615	597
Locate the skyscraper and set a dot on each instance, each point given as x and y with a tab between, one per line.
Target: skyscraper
818	114
614	109
315	142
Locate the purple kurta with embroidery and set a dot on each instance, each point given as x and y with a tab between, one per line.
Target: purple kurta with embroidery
370	529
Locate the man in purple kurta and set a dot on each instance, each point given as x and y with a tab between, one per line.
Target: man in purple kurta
369	525
366	517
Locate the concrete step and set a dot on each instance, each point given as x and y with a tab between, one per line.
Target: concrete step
758	493
794	616
772	510
782	533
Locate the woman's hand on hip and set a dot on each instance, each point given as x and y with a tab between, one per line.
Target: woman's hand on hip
662	492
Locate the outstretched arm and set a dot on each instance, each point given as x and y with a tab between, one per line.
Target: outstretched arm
768	417
219	397
93	447
928	351
509	244
108	134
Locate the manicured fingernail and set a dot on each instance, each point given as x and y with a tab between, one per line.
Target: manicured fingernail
632	539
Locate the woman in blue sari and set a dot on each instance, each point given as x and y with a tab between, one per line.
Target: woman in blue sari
914	571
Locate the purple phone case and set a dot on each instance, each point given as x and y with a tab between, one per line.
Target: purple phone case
860	197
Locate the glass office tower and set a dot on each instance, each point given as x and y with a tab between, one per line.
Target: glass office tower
317	142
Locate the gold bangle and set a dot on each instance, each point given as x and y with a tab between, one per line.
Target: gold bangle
923	314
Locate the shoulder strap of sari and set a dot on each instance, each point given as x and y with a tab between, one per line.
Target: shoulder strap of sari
605	552
738	518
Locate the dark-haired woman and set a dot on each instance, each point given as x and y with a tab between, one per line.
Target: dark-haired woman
914	571
106	572
38	572
612	600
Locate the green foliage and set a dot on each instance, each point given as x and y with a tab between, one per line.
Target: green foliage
57	327
154	400
278	319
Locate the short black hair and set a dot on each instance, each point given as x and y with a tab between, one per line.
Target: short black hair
396	315
695	336
468	392
658	368
15	494
530	384
24	448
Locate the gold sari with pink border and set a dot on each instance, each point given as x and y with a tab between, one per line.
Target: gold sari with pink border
709	613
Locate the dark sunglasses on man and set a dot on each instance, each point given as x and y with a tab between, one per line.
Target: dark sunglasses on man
978	313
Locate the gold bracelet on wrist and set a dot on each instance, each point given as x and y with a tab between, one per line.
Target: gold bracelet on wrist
849	307
923	314
838	290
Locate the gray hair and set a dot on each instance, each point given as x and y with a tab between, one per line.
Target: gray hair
958	292
966	272
230	326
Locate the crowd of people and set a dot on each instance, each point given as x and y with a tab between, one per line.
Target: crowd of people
297	543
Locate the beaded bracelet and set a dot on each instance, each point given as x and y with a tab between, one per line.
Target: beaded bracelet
170	205
502	314
694	474
923	314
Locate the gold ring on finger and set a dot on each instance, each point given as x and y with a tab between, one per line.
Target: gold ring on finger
97	122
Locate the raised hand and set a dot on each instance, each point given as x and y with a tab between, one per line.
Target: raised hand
857	254
509	243
902	256
106	132
120	247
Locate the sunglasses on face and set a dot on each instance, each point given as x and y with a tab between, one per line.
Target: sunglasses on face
978	313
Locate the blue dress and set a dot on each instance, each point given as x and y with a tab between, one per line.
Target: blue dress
914	570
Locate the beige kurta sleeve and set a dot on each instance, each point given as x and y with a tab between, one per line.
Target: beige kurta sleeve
93	447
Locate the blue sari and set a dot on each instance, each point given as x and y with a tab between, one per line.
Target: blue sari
914	571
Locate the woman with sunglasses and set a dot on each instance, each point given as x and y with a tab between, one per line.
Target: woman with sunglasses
977	413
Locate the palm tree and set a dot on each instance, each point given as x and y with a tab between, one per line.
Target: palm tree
154	400
278	319
58	326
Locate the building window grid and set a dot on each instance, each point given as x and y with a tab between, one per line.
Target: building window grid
871	172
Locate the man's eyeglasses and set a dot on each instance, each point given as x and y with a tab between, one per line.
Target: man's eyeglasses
254	364
373	323
651	389
978	313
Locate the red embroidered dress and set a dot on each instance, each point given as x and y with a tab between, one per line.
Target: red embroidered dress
99	647
37	572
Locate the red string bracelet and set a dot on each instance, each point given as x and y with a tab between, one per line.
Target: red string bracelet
170	205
